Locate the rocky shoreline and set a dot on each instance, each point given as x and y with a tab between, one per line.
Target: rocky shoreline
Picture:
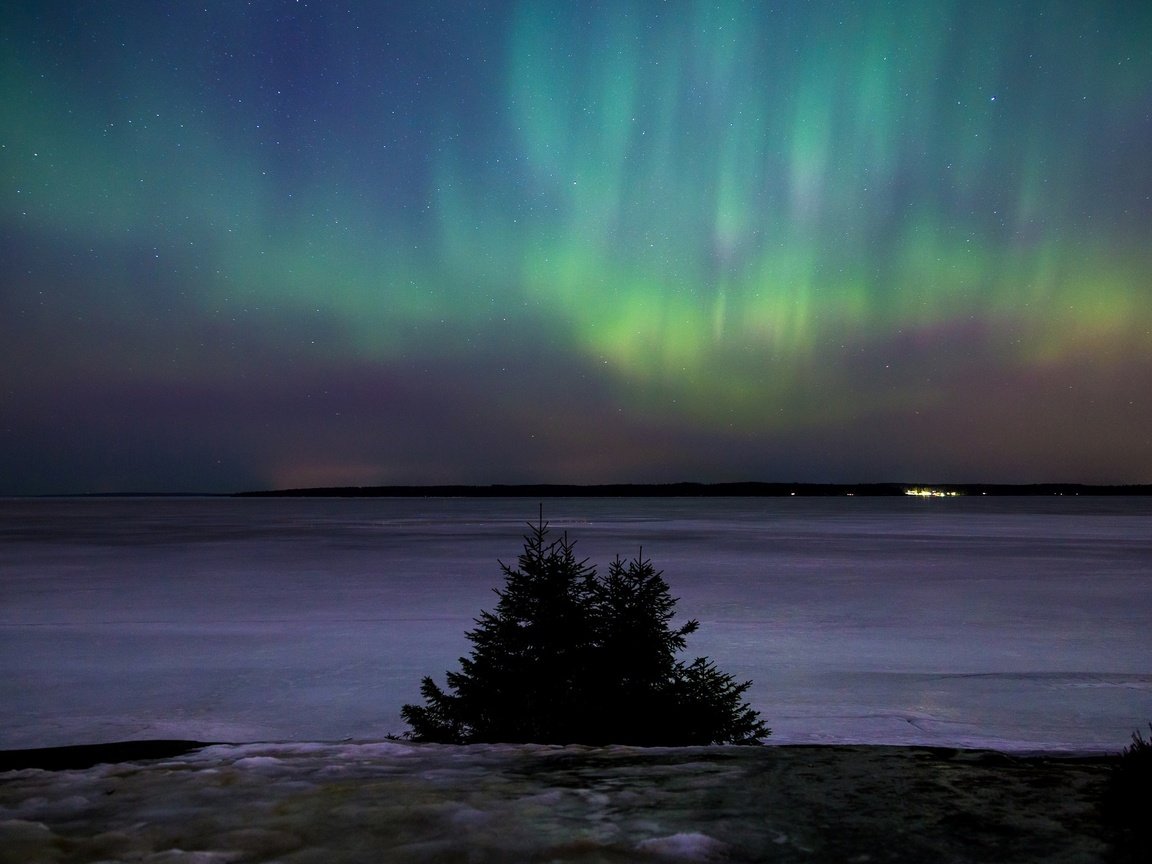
181	801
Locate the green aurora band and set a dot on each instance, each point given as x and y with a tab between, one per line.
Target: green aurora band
730	199
719	209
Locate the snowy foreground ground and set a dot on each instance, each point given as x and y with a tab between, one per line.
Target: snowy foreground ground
392	802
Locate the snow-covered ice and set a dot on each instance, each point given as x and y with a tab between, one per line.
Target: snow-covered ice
1010	623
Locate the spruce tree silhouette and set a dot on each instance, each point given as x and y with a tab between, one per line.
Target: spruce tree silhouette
567	657
637	651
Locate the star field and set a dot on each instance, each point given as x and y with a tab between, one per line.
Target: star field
280	244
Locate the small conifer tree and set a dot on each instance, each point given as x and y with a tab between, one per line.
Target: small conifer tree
524	678
637	651
567	657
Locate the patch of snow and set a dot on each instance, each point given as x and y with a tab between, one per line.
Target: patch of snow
688	846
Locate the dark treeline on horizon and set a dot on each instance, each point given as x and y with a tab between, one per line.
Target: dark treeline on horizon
698	490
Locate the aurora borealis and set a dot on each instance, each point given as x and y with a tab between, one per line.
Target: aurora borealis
281	243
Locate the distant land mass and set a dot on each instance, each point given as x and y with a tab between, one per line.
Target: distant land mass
702	490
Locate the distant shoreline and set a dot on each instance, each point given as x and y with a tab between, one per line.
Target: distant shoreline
701	490
747	489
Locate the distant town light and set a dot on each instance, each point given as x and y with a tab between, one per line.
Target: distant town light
926	492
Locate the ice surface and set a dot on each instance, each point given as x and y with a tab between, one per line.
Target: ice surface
1012	623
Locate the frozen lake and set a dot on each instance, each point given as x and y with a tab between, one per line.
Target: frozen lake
1017	623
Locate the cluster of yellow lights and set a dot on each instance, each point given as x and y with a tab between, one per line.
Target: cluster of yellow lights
932	493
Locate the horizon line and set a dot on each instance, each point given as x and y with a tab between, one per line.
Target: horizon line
675	489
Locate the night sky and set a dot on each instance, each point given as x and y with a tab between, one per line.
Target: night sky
279	244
